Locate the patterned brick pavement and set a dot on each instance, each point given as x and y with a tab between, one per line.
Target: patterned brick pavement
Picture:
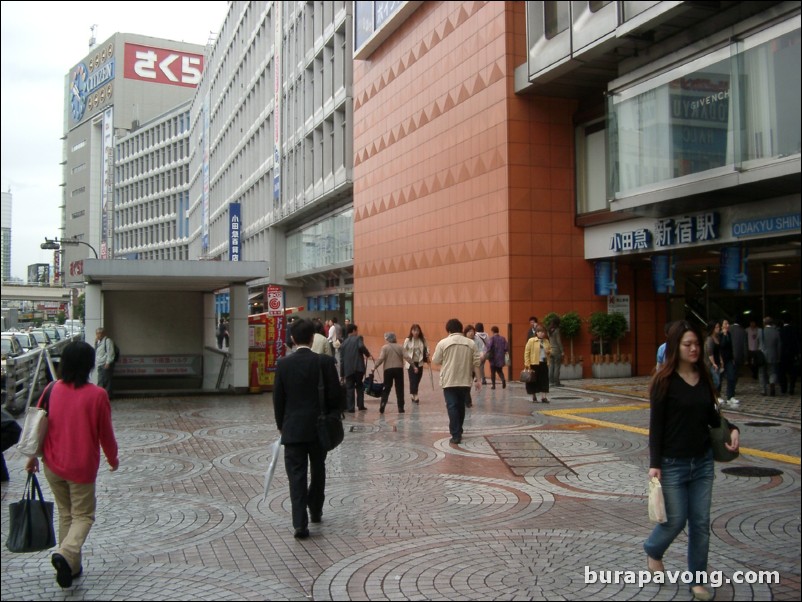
534	495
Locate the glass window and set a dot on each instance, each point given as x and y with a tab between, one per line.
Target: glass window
735	105
557	16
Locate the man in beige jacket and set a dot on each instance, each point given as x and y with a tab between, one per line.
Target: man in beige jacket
459	361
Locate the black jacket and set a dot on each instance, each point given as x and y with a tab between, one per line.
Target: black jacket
295	394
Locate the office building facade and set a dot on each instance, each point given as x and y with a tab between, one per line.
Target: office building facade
271	165
5	237
123	83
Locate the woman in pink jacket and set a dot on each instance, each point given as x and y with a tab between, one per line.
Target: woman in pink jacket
79	424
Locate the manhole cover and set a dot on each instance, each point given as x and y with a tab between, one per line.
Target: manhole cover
762	424
752	471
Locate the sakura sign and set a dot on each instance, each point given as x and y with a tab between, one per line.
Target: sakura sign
163	66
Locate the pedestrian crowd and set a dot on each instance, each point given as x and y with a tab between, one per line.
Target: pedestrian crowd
772	354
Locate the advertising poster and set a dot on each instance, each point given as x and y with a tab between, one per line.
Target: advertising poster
265	346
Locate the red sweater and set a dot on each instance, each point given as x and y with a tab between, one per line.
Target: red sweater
79	423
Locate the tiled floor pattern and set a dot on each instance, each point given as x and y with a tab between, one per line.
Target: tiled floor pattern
515	512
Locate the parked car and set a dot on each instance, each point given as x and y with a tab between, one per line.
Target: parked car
42	338
10	348
53	333
25	340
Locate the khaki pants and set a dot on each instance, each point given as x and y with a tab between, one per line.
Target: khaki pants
76	515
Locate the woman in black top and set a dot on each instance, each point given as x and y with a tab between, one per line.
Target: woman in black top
683	408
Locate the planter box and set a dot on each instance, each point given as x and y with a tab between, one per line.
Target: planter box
610	369
571	371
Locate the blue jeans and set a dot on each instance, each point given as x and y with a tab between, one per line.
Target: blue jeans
688	490
456	398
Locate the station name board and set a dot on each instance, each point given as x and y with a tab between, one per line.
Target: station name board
669	233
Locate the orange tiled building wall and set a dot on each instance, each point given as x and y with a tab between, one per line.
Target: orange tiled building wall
463	191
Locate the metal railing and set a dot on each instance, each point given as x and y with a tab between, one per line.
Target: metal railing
28	374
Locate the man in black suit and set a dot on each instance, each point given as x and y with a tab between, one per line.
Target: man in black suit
297	407
352	368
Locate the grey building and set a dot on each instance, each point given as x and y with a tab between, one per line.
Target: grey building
5	238
271	149
124	82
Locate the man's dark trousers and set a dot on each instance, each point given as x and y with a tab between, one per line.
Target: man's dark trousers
297	458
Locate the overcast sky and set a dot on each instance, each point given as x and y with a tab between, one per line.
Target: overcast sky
41	42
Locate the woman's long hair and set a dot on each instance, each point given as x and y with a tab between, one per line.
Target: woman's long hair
661	378
420	330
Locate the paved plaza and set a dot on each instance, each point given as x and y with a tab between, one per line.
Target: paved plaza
534	495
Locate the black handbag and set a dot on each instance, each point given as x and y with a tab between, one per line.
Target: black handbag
330	432
718	437
371	387
30	520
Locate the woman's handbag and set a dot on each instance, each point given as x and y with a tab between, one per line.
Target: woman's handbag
34	429
330	432
30	520
719	436
657	504
527	376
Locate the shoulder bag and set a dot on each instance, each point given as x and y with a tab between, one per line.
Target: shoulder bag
718	437
34	429
330	431
30	520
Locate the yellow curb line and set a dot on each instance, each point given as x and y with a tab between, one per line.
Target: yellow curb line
572	414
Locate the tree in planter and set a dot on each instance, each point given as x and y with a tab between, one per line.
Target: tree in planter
608	327
570	324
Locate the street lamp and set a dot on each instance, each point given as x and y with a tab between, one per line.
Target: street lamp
56	244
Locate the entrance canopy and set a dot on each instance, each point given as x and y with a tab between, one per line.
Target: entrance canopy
197	276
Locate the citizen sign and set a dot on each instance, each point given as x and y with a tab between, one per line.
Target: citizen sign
163	66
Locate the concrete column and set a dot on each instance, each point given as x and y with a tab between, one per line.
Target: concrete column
93	316
209	321
238	331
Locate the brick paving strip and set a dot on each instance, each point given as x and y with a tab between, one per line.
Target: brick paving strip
533	496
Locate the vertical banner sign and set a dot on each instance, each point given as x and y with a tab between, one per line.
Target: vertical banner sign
205	175
734	276
277	37
265	346
234	224
604	278
57	268
663	268
275	300
107	187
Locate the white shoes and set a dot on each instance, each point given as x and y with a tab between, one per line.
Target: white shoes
733	402
722	401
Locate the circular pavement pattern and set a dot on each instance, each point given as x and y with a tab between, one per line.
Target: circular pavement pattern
134	438
525	564
154	581
249	432
390	505
155	523
146	470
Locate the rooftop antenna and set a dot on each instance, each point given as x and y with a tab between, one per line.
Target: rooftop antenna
92	40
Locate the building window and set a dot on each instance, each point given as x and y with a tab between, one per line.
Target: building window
557	16
733	108
591	167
